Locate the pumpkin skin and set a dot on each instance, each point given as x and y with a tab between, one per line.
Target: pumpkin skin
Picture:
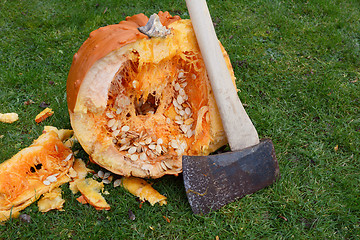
137	104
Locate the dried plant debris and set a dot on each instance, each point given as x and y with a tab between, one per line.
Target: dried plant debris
8	117
35	170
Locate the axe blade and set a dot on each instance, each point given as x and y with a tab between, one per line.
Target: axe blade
216	180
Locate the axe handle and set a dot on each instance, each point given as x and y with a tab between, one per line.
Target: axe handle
240	131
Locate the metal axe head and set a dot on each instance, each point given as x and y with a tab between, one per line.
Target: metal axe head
216	180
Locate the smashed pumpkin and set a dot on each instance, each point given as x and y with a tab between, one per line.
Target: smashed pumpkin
33	171
138	103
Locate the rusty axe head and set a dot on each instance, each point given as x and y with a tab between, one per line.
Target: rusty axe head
213	181
216	180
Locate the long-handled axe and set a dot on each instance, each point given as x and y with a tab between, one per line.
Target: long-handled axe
216	180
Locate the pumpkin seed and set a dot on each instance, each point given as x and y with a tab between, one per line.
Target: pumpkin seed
143	156
174	144
109	115
180	99
177	87
51	178
187	111
68	157
116	132
148	140
150	154
175	103
167	165
124	140
134	157
189	134
152	146
182	112
117	182
182	92
125	128
46	182
158	149
164	149
163	166
189	121
106	181
160	141
139	149
183	84
111	122
132	150
184	128
114	127
100	174
106	175
124	147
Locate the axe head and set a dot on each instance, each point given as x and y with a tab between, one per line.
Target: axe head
216	180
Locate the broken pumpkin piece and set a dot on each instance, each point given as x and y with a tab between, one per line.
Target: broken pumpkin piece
47	112
90	190
51	200
78	172
8	117
32	172
142	189
138	103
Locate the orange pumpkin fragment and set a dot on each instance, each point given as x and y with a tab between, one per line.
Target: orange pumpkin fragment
90	190
32	172
137	104
51	200
47	112
142	189
8	117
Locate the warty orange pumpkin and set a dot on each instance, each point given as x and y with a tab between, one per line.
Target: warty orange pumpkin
137	103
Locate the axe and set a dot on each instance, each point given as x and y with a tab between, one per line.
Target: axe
216	180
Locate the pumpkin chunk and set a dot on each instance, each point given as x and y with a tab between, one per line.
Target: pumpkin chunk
47	112
90	190
32	172
51	200
142	189
8	117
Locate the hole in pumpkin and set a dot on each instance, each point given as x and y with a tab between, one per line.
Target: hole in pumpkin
36	167
148	107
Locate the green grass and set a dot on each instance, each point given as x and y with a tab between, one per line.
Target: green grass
297	64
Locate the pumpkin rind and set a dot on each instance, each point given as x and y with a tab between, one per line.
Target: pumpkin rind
145	88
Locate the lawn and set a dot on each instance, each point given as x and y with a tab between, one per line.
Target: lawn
297	65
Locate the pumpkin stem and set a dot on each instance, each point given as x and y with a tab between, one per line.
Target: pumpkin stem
154	27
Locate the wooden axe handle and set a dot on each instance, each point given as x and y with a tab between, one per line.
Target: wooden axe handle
239	129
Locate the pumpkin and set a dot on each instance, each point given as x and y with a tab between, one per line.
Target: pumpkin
138	102
34	171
